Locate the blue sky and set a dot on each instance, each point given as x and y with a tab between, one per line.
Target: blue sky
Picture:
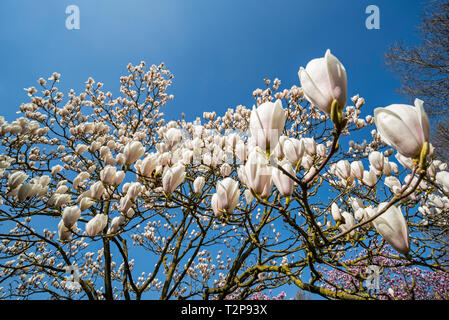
218	50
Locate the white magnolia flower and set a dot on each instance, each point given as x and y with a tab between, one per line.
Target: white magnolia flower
323	81
393	228
71	215
226	197
96	225
173	177
406	128
267	123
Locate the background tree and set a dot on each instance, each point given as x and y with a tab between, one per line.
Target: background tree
423	70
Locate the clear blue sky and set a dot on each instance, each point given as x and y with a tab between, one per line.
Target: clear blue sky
218	50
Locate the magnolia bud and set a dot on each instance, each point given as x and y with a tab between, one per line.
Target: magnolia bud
343	169
198	184
323	81
86	203
267	123
336	213
96	190
357	169
293	150
248	196
284	183
16	179
406	128
173	136
96	225
376	159
393	228
227	196
257	173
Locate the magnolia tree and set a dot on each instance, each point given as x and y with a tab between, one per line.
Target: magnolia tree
103	199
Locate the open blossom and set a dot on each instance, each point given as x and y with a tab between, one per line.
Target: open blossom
393	184
25	191
267	123
324	80
225	170
232	140
226	197
133	190
80	178
81	148
58	200
309	146
406	128
56	169
278	152
187	156
173	177
360	214
116	223
125	204
356	203
248	196
404	161
241	150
